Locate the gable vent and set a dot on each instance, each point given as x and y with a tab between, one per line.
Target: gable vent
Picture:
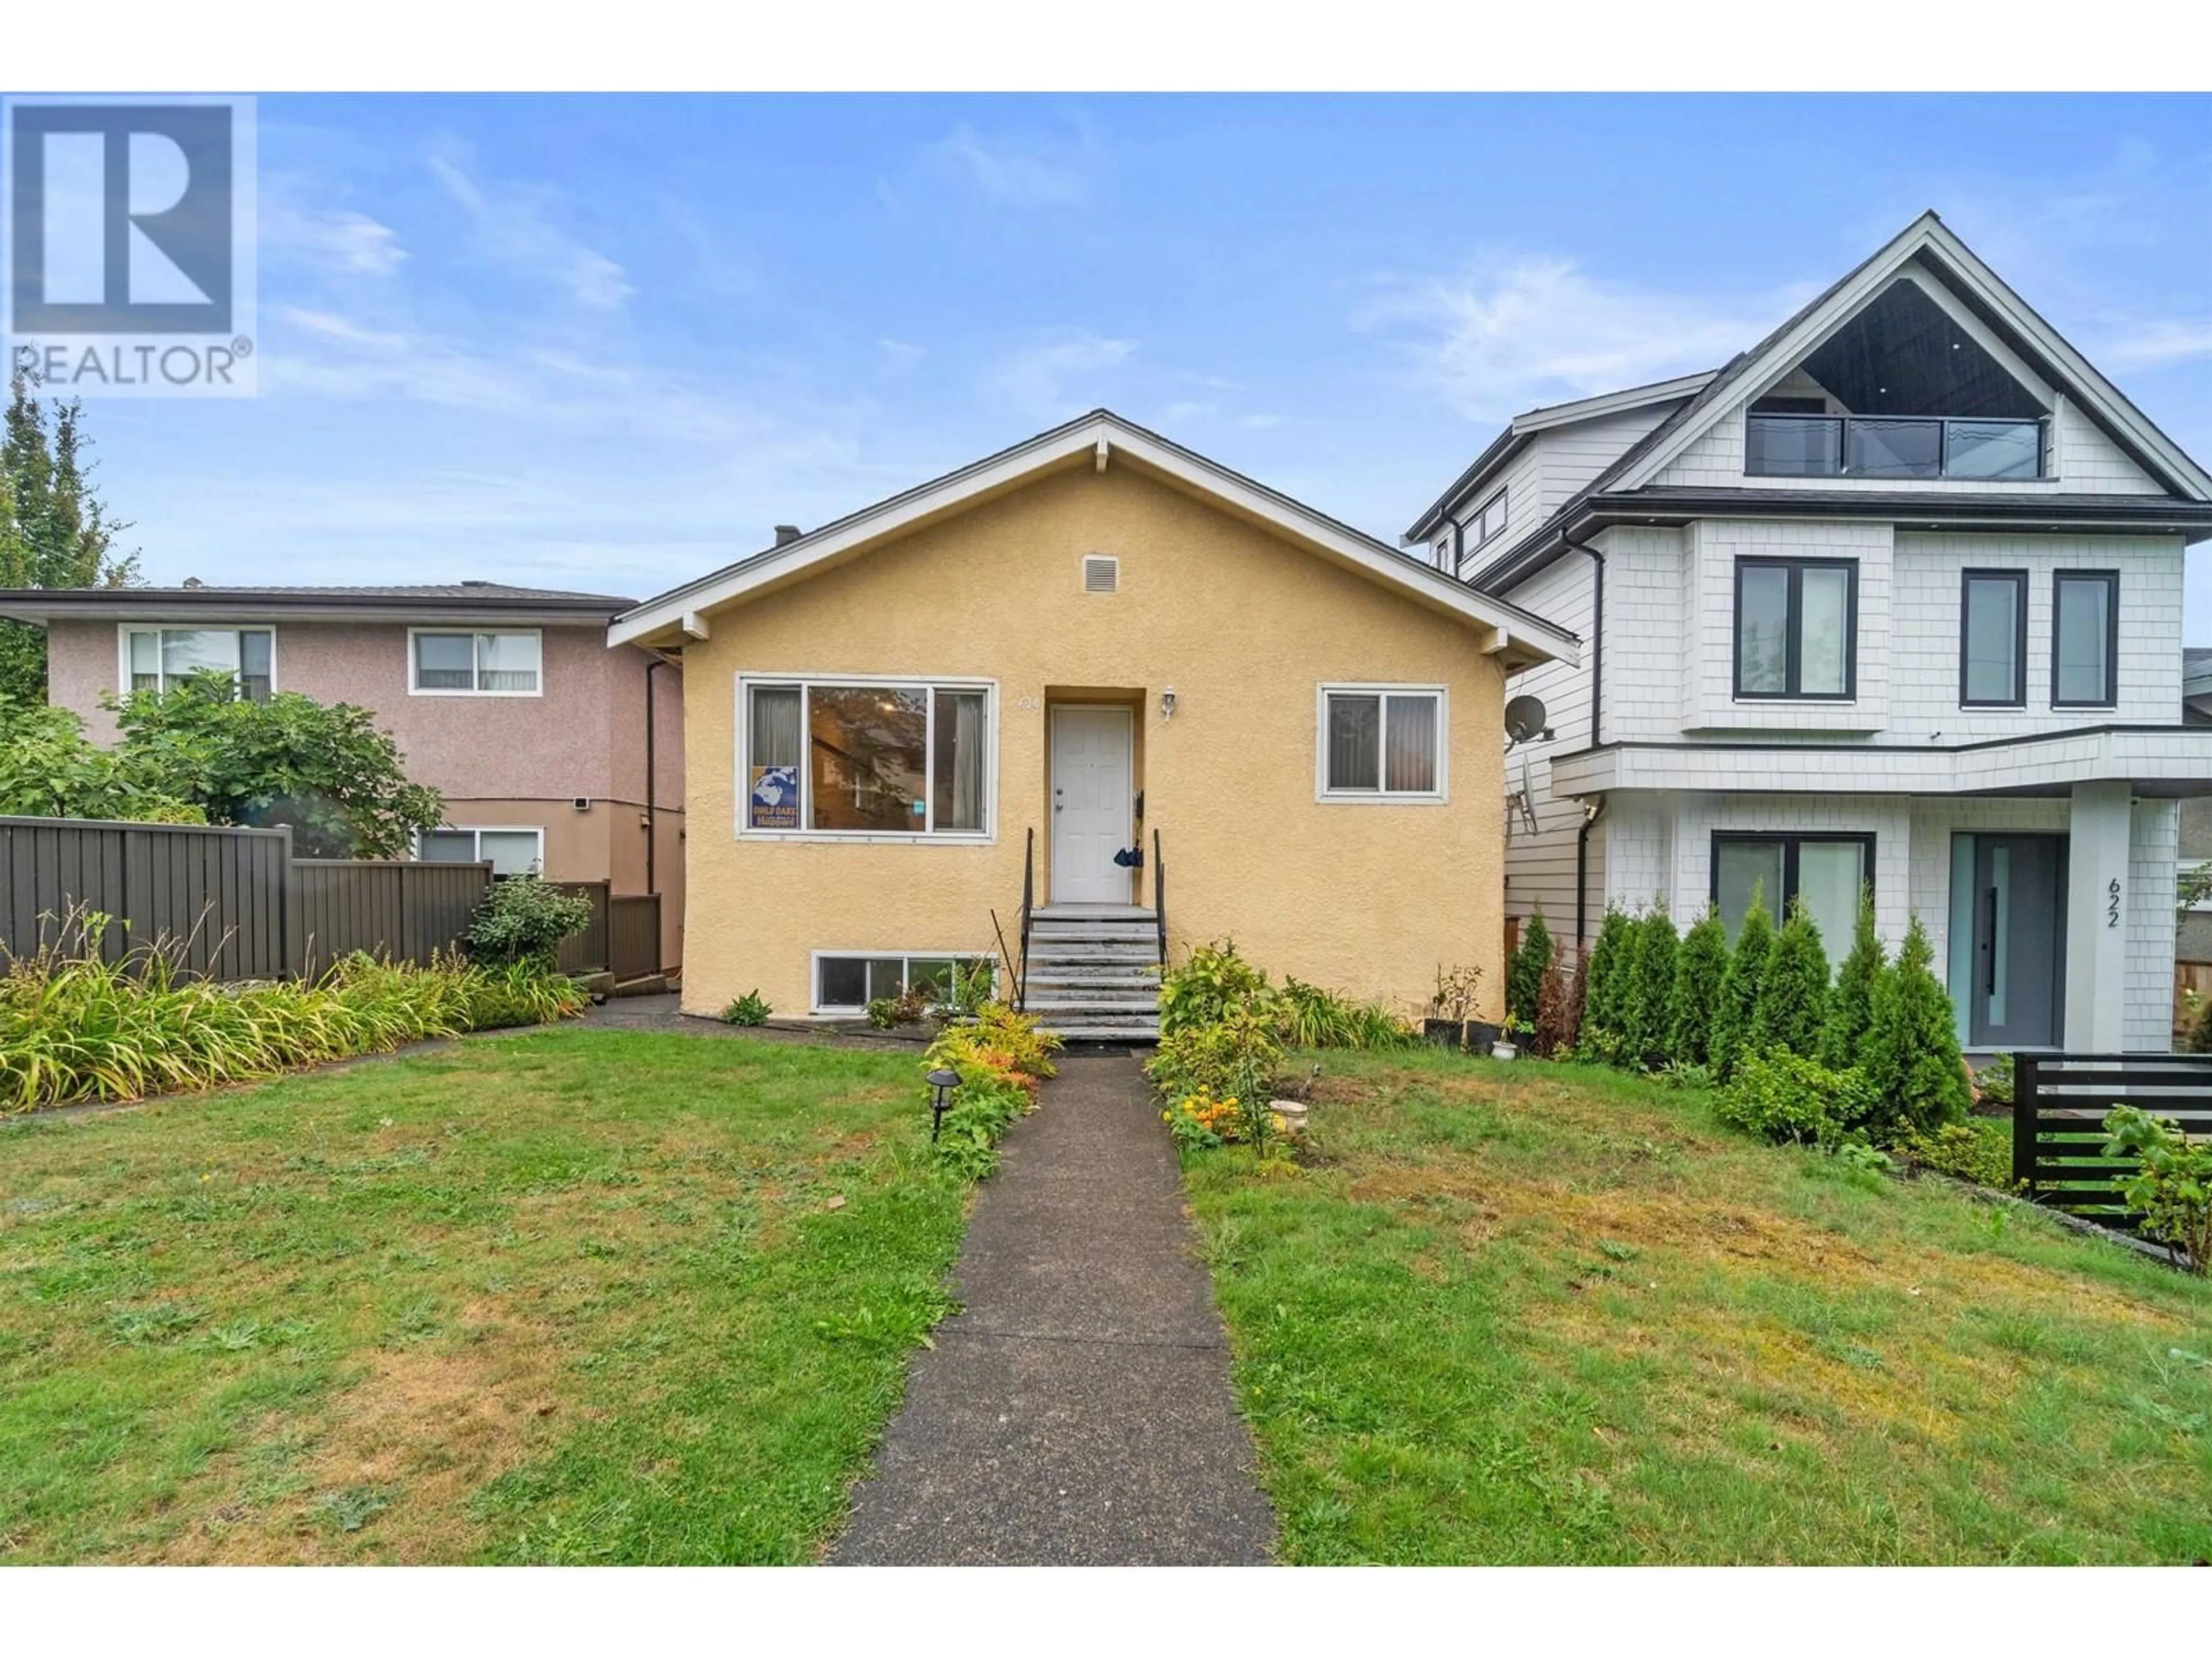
1101	575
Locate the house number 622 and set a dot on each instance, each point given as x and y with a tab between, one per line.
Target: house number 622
2112	903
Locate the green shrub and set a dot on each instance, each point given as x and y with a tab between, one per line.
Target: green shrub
2172	1185
964	988
1232	1060
525	918
1524	974
1650	990
1851	1005
1604	978
1912	1046
1741	986
1793	993
1783	1097
907	1008
2196	1036
1701	967
1213	976
1993	1083
1307	1016
751	1009
1980	1150
1558	1009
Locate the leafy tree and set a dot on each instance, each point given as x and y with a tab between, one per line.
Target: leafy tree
1524	976
54	529
50	768
1701	966
1793	996
1912	1048
1739	989
1600	1022
1850	1007
324	768
1657	945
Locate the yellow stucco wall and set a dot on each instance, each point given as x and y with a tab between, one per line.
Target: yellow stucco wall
1366	898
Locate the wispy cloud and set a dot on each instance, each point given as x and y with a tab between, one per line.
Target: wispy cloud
516	225
2158	342
1061	377
1017	172
1503	336
341	241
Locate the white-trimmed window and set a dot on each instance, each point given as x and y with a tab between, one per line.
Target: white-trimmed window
464	662
846	982
159	658
511	850
866	757
1382	743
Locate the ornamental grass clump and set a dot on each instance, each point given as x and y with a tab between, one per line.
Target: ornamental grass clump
75	1027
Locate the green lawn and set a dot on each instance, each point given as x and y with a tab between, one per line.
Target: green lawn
573	1296
1548	1313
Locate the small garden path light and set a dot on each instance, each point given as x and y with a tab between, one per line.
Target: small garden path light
942	1082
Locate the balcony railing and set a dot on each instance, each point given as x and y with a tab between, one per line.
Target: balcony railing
1892	446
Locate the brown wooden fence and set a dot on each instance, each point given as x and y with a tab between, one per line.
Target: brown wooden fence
2192	983
2059	1102
235	904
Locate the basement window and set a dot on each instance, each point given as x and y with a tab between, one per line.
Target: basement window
845	983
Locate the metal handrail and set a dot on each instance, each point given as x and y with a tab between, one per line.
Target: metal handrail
1029	907
1160	897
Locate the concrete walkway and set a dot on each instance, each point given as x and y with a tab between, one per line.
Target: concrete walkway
1077	1411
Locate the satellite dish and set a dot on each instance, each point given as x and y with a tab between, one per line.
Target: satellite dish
1524	718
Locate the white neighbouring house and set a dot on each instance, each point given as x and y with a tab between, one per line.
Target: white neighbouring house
1893	596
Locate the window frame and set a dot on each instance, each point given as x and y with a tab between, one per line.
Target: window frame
1498	499
816	1008
2019	579
741	814
1378	796
1794	623
125	629
414	689
479	831
2111	580
1778	907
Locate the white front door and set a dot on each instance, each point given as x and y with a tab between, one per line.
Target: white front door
1090	804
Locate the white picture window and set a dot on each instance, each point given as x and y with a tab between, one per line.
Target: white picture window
866	758
509	851
1383	743
474	662
160	658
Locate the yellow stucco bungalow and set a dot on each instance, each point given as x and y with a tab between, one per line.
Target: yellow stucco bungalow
1165	703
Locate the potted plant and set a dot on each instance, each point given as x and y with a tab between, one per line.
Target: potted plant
1511	1036
1447	1023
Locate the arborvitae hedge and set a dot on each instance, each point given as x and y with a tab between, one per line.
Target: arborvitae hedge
1656	943
1912	1050
1739	989
1793	995
1851	1005
1524	976
1600	997
1700	967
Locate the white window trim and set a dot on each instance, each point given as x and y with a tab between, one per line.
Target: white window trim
414	663
986	836
819	1009
479	831
1437	796
212	625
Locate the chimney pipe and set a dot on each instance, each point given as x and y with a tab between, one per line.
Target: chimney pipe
786	534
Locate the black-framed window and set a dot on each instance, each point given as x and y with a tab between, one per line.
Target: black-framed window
1825	868
2085	639
1993	639
1796	629
1488	522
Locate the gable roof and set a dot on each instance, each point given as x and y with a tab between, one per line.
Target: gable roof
429	601
1930	246
1524	425
1520	638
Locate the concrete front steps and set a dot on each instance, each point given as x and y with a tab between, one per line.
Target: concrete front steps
1094	972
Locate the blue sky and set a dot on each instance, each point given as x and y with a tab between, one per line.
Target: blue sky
608	342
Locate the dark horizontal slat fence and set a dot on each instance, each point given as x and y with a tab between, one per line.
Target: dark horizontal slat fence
586	952
2059	1102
